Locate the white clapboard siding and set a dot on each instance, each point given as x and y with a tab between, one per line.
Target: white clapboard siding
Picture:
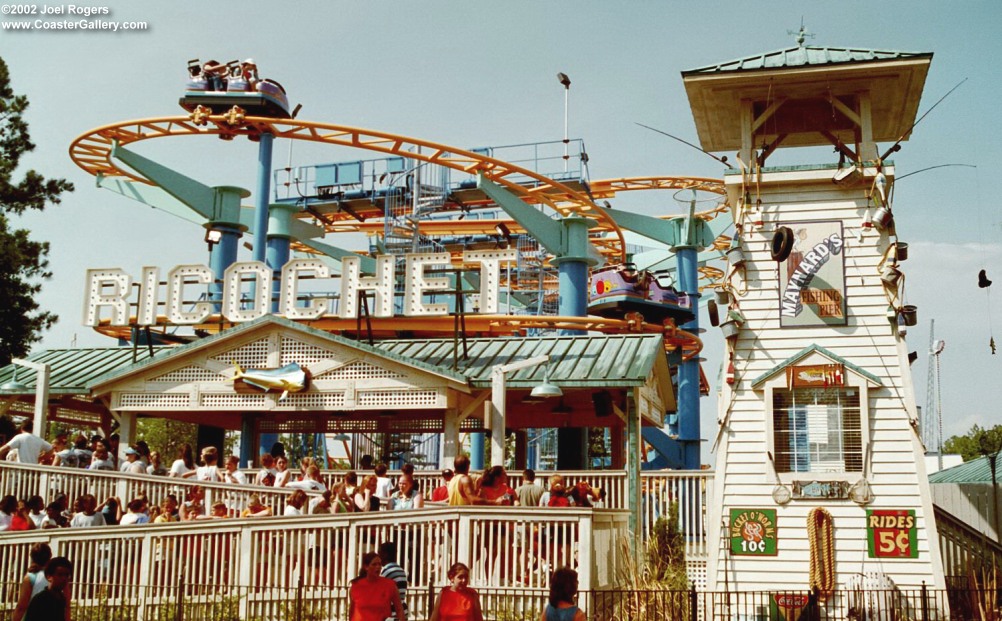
870	341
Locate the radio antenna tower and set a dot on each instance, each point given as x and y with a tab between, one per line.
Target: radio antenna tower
935	349
929	411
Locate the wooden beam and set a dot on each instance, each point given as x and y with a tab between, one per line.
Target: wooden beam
838	144
767	151
846	110
766	114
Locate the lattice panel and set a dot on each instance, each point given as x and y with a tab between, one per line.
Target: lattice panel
414	425
152	401
397	398
250	355
79	416
696	571
189	374
328	400
212	400
303	353
359	370
20	408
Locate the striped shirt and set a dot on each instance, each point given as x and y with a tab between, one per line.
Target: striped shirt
397	574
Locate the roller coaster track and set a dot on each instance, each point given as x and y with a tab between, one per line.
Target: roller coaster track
93	153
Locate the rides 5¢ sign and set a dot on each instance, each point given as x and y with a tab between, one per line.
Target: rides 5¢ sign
892	533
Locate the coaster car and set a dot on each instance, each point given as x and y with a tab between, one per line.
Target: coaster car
220	87
620	289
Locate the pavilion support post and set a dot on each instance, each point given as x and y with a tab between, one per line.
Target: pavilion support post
617	438
498	415
521	452
634	500
126	433
248	437
450	440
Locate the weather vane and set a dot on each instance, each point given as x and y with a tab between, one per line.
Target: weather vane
802	34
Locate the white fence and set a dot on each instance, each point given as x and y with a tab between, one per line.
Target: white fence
259	562
24	481
976	504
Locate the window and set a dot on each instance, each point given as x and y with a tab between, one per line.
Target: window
817	430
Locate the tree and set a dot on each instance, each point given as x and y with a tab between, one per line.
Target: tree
23	261
976	443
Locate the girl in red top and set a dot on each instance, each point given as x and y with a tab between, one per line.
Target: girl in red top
371	596
458	602
494	488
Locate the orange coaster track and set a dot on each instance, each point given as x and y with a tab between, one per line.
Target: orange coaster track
474	326
92	152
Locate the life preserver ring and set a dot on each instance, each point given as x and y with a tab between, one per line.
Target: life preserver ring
782	243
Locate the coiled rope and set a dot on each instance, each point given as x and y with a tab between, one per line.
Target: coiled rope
821	538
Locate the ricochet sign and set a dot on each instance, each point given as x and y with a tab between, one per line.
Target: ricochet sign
108	290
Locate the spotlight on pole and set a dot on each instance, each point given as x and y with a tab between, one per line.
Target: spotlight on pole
567	89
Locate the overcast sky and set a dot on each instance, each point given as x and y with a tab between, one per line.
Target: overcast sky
472	74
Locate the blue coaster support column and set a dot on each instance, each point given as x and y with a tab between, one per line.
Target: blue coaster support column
261	227
262	198
686	236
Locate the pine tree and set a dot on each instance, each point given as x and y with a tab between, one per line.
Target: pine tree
23	261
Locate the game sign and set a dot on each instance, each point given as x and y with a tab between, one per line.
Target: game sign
812	278
892	533
753	532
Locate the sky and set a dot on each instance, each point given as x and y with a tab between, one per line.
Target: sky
472	74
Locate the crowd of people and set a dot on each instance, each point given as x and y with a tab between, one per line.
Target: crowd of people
380	590
379	593
353	493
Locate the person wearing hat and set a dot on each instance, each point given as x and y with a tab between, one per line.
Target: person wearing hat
132	465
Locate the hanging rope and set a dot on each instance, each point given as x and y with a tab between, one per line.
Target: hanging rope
821	538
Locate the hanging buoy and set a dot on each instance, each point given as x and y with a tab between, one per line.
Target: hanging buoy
782	243
991	343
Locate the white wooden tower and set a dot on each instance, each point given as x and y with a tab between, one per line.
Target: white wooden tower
820	474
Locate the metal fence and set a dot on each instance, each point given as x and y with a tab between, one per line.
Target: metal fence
221	601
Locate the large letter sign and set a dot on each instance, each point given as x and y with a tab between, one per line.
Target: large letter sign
110	289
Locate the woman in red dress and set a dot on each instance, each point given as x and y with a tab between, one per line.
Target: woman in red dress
371	596
458	602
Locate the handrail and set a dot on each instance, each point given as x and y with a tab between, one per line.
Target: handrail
514	551
24	481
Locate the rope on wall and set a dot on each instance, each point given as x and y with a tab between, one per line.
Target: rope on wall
821	537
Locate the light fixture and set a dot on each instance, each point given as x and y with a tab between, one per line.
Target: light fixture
213	237
503	230
546	389
564	79
14	386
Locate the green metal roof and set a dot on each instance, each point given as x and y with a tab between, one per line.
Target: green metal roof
575	361
974	471
805	56
804	353
72	370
